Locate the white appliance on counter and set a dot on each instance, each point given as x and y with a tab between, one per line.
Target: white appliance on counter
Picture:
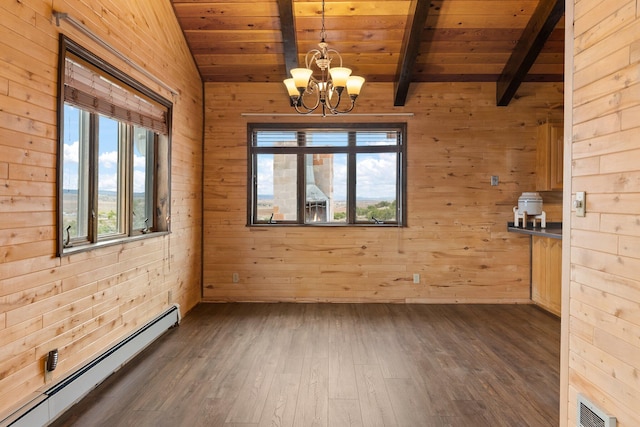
529	207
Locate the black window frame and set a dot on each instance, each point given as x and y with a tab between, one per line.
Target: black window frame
157	194
351	150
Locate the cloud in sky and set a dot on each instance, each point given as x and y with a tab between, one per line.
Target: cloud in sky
108	160
139	162
138	181
108	163
265	174
71	152
373	177
340	177
108	182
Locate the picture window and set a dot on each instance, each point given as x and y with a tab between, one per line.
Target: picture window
114	163
327	175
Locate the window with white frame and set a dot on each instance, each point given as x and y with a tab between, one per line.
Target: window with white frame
114	145
333	174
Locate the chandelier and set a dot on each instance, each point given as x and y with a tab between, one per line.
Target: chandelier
307	93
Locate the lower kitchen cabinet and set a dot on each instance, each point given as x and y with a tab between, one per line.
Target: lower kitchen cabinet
546	273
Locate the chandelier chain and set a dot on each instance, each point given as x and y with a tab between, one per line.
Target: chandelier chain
323	31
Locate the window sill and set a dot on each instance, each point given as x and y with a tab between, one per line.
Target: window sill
103	244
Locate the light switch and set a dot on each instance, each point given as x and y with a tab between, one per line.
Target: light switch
580	203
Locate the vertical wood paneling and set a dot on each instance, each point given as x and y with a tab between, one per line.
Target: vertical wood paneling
604	291
85	302
456	236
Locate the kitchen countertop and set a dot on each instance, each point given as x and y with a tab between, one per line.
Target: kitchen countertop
553	230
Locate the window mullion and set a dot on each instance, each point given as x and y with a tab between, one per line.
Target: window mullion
351	179
125	170
400	187
253	185
301	184
92	192
150	186
85	142
401	204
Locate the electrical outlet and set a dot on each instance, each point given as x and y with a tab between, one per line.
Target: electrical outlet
494	180
416	278
235	277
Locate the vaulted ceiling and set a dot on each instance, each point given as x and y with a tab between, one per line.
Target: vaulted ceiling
400	41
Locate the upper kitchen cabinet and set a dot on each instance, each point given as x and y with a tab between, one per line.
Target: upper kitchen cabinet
550	150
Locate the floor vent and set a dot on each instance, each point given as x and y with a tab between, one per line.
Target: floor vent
52	402
590	415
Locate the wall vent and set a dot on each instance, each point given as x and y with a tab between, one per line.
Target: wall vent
589	415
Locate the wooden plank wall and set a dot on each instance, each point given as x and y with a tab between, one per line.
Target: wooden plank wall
604	286
456	237
82	304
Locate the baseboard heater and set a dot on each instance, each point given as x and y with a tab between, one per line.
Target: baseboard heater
54	401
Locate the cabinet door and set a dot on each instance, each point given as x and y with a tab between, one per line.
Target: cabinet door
556	156
538	269
543	158
546	273
554	268
549	157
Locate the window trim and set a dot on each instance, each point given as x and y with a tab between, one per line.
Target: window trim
162	205
350	150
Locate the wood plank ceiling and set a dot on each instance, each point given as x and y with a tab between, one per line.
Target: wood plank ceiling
401	41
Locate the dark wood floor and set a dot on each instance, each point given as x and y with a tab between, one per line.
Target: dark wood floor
335	365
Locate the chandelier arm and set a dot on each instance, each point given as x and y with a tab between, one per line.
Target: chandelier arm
348	110
314	54
336	94
334	109
337	54
311	89
305	111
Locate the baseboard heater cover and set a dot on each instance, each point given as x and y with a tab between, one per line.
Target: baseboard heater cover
49	405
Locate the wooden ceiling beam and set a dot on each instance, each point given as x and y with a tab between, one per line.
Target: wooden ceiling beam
288	29
417	18
539	28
